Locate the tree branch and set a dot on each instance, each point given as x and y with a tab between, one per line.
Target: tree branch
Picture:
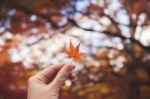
73	22
43	16
114	34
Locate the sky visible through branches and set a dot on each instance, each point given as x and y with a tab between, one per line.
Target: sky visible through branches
113	33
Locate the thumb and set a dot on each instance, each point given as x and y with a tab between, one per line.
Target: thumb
62	75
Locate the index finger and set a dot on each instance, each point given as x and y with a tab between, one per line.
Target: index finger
49	71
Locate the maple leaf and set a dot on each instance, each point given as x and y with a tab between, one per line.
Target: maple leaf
73	52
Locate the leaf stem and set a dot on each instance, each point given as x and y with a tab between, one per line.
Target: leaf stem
72	61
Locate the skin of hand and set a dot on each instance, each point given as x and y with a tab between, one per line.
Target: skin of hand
47	83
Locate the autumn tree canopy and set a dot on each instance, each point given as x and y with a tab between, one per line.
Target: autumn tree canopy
114	33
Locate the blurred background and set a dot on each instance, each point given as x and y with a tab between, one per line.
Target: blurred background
115	34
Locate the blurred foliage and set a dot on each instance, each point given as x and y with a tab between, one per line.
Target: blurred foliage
113	71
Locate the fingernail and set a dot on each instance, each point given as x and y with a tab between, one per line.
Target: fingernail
72	66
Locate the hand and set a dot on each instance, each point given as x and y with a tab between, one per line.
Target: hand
47	83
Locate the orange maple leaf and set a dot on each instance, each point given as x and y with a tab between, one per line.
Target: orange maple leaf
73	52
